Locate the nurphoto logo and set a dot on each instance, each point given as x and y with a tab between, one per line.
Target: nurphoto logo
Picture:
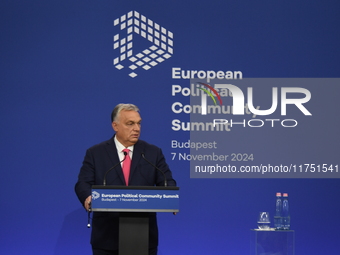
135	24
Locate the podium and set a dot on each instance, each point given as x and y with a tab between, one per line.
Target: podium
133	202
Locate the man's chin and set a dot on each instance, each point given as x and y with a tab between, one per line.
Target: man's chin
134	139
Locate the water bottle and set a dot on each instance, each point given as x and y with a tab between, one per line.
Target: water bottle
285	212
278	212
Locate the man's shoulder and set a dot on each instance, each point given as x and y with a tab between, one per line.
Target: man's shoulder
141	144
102	144
145	146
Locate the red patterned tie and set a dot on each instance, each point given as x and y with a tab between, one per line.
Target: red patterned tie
126	166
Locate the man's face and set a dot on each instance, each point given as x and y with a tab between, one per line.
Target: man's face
127	127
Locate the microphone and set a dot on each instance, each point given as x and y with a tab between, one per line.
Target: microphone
104	181
165	180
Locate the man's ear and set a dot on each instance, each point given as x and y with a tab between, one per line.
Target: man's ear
114	126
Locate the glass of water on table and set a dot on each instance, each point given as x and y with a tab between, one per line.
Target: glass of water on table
263	221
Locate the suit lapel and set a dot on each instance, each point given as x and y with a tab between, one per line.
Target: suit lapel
113	155
137	154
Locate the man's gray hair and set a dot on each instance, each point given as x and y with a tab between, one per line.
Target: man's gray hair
120	107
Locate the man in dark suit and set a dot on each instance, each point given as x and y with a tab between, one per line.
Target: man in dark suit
126	122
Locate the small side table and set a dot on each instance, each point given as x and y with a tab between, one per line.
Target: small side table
272	242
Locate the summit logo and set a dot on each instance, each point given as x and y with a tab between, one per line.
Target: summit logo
95	195
133	25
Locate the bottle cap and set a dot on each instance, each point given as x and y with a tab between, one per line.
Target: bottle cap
285	194
278	194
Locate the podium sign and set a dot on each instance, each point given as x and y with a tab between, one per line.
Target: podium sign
135	198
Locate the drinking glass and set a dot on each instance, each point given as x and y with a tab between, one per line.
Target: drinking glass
263	221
